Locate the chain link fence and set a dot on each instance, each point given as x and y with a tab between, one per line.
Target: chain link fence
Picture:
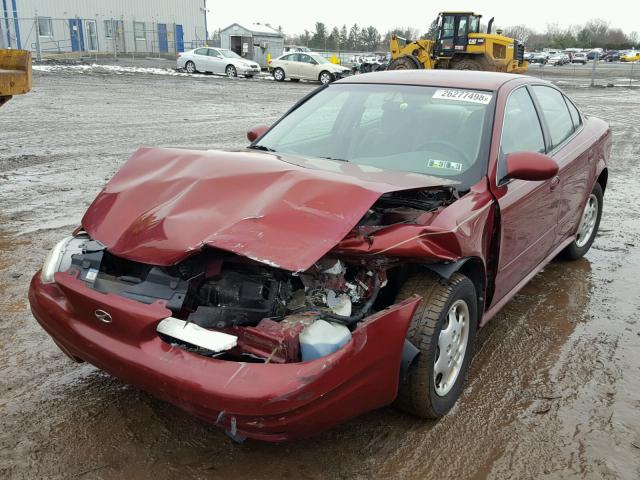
85	37
592	74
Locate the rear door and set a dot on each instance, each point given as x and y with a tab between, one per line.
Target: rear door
528	210
201	59
292	66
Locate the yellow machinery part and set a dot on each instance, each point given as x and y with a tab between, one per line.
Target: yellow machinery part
15	73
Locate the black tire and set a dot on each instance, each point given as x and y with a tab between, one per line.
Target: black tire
248	76
580	245
231	71
278	75
468	64
325	77
403	63
417	394
190	67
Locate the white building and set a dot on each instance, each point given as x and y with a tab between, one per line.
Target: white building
127	26
255	42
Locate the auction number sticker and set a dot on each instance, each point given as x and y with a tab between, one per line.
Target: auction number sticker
462	95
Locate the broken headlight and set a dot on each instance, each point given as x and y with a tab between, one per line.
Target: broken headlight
59	258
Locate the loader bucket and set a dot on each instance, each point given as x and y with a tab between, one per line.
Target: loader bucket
15	73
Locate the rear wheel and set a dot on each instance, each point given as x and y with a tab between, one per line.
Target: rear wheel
588	227
325	77
278	75
443	329
231	71
190	67
403	63
468	64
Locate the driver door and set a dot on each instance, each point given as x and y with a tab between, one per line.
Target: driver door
217	64
528	209
308	67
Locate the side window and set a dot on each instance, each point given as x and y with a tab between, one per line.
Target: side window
462	26
201	51
214	53
447	26
575	116
294	58
521	130
555	112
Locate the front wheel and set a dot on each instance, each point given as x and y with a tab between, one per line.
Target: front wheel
443	329
588	226
278	75
325	77
231	71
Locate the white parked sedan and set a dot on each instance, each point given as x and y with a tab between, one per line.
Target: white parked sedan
307	66
217	60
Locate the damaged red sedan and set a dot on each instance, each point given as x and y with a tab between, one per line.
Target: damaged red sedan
343	262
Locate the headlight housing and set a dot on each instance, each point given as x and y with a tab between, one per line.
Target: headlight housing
59	258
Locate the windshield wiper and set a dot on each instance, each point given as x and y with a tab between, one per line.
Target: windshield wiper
261	147
336	159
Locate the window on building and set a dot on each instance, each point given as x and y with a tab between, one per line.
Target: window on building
109	28
138	30
45	27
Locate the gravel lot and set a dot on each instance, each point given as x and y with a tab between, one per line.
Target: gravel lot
554	390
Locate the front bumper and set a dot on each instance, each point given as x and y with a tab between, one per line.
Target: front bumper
272	402
248	70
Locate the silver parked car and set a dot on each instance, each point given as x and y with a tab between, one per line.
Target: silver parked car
217	60
307	66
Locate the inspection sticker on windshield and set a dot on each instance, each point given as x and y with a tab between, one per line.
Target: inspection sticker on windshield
444	164
462	95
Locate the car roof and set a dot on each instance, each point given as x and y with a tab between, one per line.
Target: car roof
437	78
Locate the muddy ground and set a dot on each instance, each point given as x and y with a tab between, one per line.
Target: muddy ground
554	390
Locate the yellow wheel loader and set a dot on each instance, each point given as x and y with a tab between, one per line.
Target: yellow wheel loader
460	46
15	73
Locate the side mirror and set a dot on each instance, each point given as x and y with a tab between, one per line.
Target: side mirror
530	166
256	132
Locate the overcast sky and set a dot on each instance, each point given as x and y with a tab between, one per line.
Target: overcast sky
295	17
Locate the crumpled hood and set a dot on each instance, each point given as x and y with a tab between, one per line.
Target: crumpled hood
165	204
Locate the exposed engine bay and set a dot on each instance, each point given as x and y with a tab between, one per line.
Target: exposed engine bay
267	309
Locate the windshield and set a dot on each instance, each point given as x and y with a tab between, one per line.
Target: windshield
435	131
319	59
228	53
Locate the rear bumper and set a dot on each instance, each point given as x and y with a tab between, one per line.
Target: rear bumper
262	401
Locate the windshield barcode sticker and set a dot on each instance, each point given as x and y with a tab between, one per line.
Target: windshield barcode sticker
444	164
462	96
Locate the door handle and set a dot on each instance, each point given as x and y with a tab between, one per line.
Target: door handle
555	181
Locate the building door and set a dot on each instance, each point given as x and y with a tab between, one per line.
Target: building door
163	44
235	44
92	35
76	34
179	38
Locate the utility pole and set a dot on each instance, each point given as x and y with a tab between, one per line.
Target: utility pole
38	50
114	37
206	30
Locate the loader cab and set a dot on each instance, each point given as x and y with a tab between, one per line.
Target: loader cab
454	30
